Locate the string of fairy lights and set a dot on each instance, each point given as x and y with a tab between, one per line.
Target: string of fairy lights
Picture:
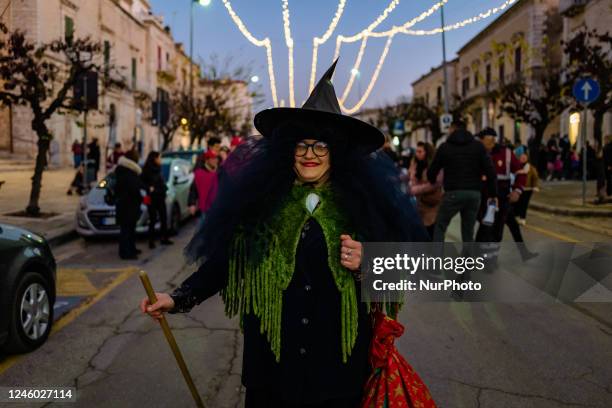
318	41
363	35
258	43
404	29
289	43
364	41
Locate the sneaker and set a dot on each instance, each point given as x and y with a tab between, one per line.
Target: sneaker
522	221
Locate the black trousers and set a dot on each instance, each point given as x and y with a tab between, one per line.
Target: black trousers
513	225
269	398
157	210
521	206
127	238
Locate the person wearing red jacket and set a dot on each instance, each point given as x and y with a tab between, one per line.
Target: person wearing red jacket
204	188
507	167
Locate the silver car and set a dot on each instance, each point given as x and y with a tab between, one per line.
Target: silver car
95	217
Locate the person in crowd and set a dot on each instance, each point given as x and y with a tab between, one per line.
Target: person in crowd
205	182
77	181
552	153
599	172
543	161
214	144
607	159
156	188
128	199
93	157
575	163
235	142
557	169
464	161
224	152
113	158
388	149
565	146
77	153
591	157
510	184
428	196
532	184
284	226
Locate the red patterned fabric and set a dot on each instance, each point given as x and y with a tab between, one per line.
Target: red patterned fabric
393	382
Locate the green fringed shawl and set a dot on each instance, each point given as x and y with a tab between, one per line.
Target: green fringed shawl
262	265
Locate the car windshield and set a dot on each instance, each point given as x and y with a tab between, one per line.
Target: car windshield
165	169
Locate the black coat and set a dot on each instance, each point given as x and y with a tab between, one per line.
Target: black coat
93	154
127	195
464	160
154	182
311	368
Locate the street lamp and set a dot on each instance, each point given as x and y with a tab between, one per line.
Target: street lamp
255	79
355	72
204	3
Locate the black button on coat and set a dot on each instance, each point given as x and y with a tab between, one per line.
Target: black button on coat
310	368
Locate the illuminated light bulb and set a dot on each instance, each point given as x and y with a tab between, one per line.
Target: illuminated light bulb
255	79
289	42
204	3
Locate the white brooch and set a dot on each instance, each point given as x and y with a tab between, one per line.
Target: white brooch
312	200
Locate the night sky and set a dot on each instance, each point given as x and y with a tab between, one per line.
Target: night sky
409	56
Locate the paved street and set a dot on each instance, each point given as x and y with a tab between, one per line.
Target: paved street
470	355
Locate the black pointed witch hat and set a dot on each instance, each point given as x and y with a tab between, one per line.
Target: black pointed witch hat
322	108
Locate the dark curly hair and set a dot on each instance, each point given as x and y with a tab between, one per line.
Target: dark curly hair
259	174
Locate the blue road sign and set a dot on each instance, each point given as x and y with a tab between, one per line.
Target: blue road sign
398	127
586	90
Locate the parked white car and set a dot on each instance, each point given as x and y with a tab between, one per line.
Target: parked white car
95	217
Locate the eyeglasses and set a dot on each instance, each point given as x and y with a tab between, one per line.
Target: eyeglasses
320	149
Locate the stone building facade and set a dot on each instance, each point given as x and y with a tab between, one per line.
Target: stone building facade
134	40
430	88
577	14
514	45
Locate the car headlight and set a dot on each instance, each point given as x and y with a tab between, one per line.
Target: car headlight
35	237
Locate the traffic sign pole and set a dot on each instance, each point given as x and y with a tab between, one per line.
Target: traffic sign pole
584	154
585	90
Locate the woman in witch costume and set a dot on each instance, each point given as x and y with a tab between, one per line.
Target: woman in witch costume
282	243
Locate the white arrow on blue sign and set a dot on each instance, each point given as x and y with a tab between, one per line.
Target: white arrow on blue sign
586	90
